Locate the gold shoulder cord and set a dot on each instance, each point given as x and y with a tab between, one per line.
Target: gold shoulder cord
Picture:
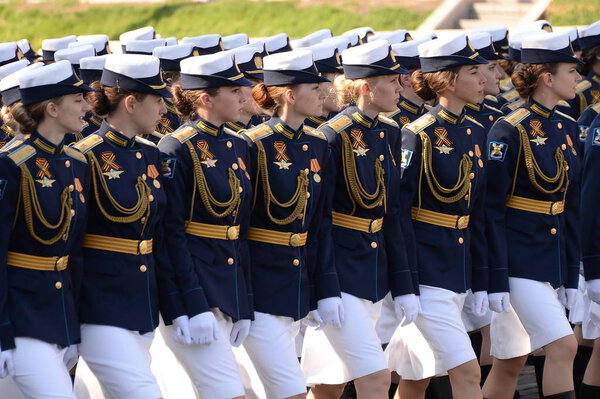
356	191
140	209
31	204
463	183
298	200
208	200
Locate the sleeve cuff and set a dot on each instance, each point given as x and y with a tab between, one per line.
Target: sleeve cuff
7	336
195	302
498	281
327	286
572	276
480	279
401	283
591	267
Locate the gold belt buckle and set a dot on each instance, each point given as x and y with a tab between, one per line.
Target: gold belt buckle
462	222
295	240
233	233
555	208
143	247
374	226
61	263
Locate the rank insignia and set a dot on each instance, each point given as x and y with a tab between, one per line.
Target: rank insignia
152	173
281	157
359	147
111	169
596	140
583	131
168	167
497	151
243	167
315	167
406	157
537	133
442	142
208	159
44	176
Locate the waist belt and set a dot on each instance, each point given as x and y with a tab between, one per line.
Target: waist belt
48	263
114	244
440	219
536	206
277	237
213	231
356	223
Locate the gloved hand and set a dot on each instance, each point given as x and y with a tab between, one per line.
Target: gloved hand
407	307
7	367
593	290
480	303
71	356
499	302
182	330
331	311
570	297
239	332
313	319
203	328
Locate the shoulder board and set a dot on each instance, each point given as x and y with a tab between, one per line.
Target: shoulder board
472	120
387	120
563	103
22	154
492	108
514	105
232	132
257	133
390	114
517	116
184	134
339	123
142	140
565	116
510	95
427	107
583	86
88	143
311	131
75	154
596	108
9	146
420	123
491	98
158	134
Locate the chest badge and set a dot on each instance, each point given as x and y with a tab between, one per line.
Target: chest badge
442	143
110	168
537	133
152	173
315	167
281	156
358	146
208	159
43	174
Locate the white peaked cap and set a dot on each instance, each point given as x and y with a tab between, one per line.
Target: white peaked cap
47	75
75	54
209	64
548	41
145	33
236	40
12	80
173	52
11	68
275	42
95	63
295	60
480	40
133	65
144	46
498	32
313	38
409	48
366	54
203	41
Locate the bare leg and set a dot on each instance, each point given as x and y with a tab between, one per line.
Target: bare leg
502	380
592	372
558	369
465	380
326	391
410	389
373	386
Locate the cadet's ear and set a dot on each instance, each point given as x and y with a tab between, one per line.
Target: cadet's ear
546	78
52	109
206	100
289	96
129	102
365	88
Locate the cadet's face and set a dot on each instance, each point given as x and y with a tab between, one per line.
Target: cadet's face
492	75
564	80
385	92
330	103
228	103
470	84
249	107
147	113
71	111
308	99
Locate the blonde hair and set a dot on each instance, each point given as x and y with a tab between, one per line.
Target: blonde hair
348	90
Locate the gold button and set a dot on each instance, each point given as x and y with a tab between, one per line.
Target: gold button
563	147
241	189
296	262
72	212
234	213
381	157
567	167
151	198
373	244
559	125
300	216
305	147
553	231
491	117
471	175
58	285
382	134
469	130
467	197
68	163
71	187
230	261
65	237
308	195
229	145
234	166
306	171
138	155
461	240
144	177
471	153
143	220
143	268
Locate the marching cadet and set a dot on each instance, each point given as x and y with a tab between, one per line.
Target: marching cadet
369	252
127	204
51	46
586	119
443	213
90	71
7	129
289	235
278	43
27	51
532	201
44	187
207	180
362	34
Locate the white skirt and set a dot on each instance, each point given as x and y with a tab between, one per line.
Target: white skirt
387	321
338	355
591	321
578	310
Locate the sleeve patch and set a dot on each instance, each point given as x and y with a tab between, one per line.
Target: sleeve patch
168	167
3	184
583	132
497	151
406	157
596	137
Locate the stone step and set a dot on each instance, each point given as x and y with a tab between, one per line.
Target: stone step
470	23
491	11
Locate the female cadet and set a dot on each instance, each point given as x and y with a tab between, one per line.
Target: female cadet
368	248
118	305
209	189
289	219
43	190
532	198
8	129
443	211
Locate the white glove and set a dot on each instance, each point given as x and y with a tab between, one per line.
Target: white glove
331	311
71	356
593	290
239	332
480	303
313	319
7	367
570	297
182	330
407	307
203	328
499	302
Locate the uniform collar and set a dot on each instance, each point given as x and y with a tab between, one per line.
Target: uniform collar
6	129
475	107
594	76
540	109
448	116
318	120
361	118
114	136
205	126
283	128
44	145
236	126
409	106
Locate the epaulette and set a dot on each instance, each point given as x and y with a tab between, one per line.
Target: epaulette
492	108
9	146
596	108
517	116
489	97
420	123
387	120
565	116
510	95
142	140
583	86
472	120
231	132
514	105
88	143
22	154
311	131
390	114
259	132
427	106
339	123
74	154
157	134
183	135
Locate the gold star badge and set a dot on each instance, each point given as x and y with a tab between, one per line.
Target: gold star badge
539	140
113	174
210	162
443	149
45	182
283	164
361	151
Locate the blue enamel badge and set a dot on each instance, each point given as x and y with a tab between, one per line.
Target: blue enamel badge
406	157
168	167
497	151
